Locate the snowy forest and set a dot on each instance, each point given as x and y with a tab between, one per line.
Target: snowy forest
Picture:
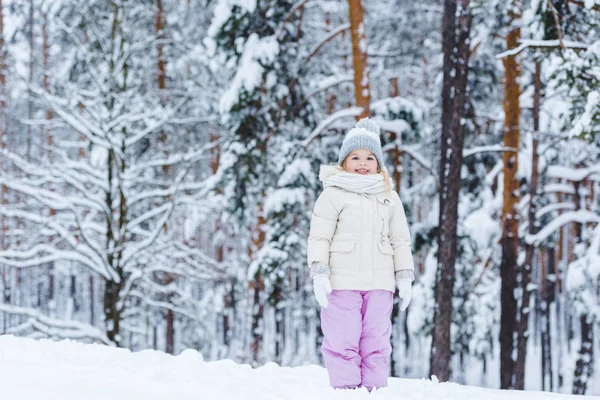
159	162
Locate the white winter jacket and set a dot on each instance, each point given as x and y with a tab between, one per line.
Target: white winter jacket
364	238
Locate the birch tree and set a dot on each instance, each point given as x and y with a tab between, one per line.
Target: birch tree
113	207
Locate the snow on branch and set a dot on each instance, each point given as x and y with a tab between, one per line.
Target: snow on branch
135	250
549	44
486	149
580	216
330	82
54	327
331	35
574	174
582	279
554	207
189	158
418	157
86	253
589	4
559	188
348	112
167	114
299	4
81	125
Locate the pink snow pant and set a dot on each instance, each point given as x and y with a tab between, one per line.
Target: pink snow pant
356	345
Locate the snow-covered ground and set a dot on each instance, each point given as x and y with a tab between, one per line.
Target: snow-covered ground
43	369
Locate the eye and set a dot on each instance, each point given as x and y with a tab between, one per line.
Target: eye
370	158
355	158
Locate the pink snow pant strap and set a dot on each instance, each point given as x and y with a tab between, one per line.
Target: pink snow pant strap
356	345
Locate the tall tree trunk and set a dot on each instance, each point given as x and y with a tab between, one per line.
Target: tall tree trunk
257	289
31	77
522	330
49	139
3	134
280	338
112	289
92	300
115	227
510	219
112	315
358	34
162	85
548	298
584	366
3	167
397	179
456	33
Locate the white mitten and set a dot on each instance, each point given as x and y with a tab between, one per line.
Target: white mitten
322	287
404	291
404	278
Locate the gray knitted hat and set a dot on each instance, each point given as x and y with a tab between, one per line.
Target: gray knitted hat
364	135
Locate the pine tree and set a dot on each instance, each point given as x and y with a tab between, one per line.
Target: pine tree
261	116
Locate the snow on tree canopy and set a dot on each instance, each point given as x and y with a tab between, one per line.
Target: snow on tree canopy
222	13
249	75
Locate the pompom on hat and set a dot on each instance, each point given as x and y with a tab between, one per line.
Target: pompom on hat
364	135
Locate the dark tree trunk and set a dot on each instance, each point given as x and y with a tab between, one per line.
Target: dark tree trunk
523	324
112	314
510	221
456	59
279	324
257	288
228	315
92	302
584	366
547	299
170	347
395	338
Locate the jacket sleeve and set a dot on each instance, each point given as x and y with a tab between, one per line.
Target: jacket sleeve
322	227
400	237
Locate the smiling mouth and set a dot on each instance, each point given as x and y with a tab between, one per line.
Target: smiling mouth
362	171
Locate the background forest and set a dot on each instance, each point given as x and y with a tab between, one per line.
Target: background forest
159	164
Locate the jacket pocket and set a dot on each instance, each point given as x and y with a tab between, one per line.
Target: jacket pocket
341	256
385	259
386	248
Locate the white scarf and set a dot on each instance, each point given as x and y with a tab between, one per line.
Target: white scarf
331	175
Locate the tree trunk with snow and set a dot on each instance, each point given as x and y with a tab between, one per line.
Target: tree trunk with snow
530	249
3	167
546	331
358	34
3	135
257	289
456	30
510	218
49	141
162	85
584	366
31	77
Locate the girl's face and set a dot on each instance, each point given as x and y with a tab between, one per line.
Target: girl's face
361	161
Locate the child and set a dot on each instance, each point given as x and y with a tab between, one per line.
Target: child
358	249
